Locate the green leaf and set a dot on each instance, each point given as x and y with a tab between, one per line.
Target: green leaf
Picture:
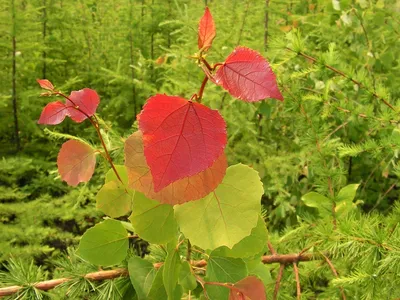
225	216
252	244
104	244
186	277
157	290
225	270
152	220
114	199
172	267
262	272
322	203
142	274
110	176
347	193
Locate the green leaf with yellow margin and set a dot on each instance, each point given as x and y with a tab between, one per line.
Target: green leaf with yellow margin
114	199
225	216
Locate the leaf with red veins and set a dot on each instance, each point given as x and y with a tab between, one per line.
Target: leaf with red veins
249	288
247	75
76	162
53	113
206	32
86	100
45	84
180	138
181	191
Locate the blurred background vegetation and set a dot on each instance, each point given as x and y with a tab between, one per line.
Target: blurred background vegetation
329	131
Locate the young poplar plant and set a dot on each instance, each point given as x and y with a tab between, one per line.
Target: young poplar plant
176	185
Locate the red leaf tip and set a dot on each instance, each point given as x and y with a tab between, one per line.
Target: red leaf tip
45	84
206	32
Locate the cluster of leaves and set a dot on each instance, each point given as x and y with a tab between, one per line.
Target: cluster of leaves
176	157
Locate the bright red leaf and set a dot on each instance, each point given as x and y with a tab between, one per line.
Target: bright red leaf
247	75
53	113
206	31
45	84
178	192
180	138
76	162
249	288
87	100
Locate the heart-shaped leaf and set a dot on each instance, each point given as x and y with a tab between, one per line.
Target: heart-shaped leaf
180	138
53	113
76	162
225	216
86	100
206	31
246	75
180	191
104	244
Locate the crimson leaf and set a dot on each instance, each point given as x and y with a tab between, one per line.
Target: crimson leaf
249	288
53	113
86	100
206	31
76	162
246	75
180	138
45	84
178	192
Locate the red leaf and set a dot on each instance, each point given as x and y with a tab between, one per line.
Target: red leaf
206	31
178	192
45	84
53	113
247	75
76	162
180	138
249	288
87	100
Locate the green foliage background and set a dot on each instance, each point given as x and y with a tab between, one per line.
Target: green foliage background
328	133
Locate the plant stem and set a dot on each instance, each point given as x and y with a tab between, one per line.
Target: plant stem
189	251
203	85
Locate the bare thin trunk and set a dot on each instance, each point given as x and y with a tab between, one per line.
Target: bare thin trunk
44	32
14	79
131	54
266	25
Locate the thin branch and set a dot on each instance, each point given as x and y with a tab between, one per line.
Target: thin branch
278	281
296	274
334	273
333	69
271	248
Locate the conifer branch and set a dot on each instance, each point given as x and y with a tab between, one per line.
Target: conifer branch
333	69
282	259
